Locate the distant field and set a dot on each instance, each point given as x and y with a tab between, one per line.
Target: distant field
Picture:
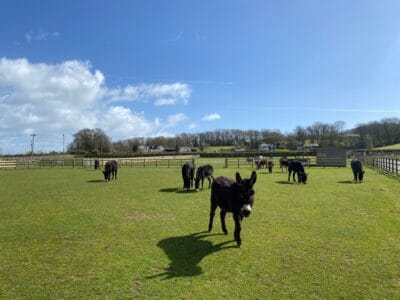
390	147
218	148
64	233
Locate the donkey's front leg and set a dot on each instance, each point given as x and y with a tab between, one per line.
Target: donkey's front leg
222	214
238	228
212	214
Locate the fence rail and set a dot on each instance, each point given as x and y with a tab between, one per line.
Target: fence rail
242	162
387	164
89	163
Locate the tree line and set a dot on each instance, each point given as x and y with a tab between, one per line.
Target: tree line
362	136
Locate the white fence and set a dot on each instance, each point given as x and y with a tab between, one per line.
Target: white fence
386	164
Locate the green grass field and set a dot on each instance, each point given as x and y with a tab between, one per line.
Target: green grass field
390	147
64	233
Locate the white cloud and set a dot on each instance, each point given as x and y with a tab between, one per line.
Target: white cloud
40	35
50	99
211	117
121	123
160	94
173	120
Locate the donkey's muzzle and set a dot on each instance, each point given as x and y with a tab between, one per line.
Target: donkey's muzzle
246	213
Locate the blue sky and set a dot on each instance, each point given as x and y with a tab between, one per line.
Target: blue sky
145	68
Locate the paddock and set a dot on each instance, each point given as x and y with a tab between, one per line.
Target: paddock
67	234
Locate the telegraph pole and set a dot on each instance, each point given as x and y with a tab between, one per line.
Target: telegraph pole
33	142
63	142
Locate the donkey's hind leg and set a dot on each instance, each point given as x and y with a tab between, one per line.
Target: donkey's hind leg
209	181
222	214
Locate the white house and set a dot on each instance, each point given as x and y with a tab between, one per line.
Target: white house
267	147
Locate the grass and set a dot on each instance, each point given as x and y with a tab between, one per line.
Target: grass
390	147
66	234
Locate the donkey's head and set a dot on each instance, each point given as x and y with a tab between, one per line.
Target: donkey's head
302	177
361	176
107	174
246	192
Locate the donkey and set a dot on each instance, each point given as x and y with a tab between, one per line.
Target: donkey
358	171
188	174
297	168
232	196
110	168
202	172
261	163
270	165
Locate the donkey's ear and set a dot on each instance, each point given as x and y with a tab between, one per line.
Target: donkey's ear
253	178
238	178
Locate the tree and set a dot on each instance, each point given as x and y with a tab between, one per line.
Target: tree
90	141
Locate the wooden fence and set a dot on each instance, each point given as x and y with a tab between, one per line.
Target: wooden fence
89	163
242	162
388	165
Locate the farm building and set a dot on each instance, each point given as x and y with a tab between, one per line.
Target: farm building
331	156
267	147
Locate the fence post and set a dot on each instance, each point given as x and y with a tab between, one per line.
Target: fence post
156	163
226	163
168	163
238	164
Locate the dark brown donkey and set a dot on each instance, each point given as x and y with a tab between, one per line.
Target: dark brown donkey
232	196
203	172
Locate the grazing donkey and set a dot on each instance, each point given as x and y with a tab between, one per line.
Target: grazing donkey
270	165
202	172
297	168
232	196
188	174
261	163
358	171
110	168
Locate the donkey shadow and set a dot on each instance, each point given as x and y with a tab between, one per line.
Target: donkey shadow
185	254
177	190
95	180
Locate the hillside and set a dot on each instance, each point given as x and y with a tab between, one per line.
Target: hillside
389	147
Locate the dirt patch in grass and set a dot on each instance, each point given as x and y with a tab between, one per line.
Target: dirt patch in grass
138	217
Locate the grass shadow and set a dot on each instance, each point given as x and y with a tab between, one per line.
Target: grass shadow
186	252
265	172
95	180
283	182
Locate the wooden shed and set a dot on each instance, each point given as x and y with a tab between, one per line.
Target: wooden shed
331	157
